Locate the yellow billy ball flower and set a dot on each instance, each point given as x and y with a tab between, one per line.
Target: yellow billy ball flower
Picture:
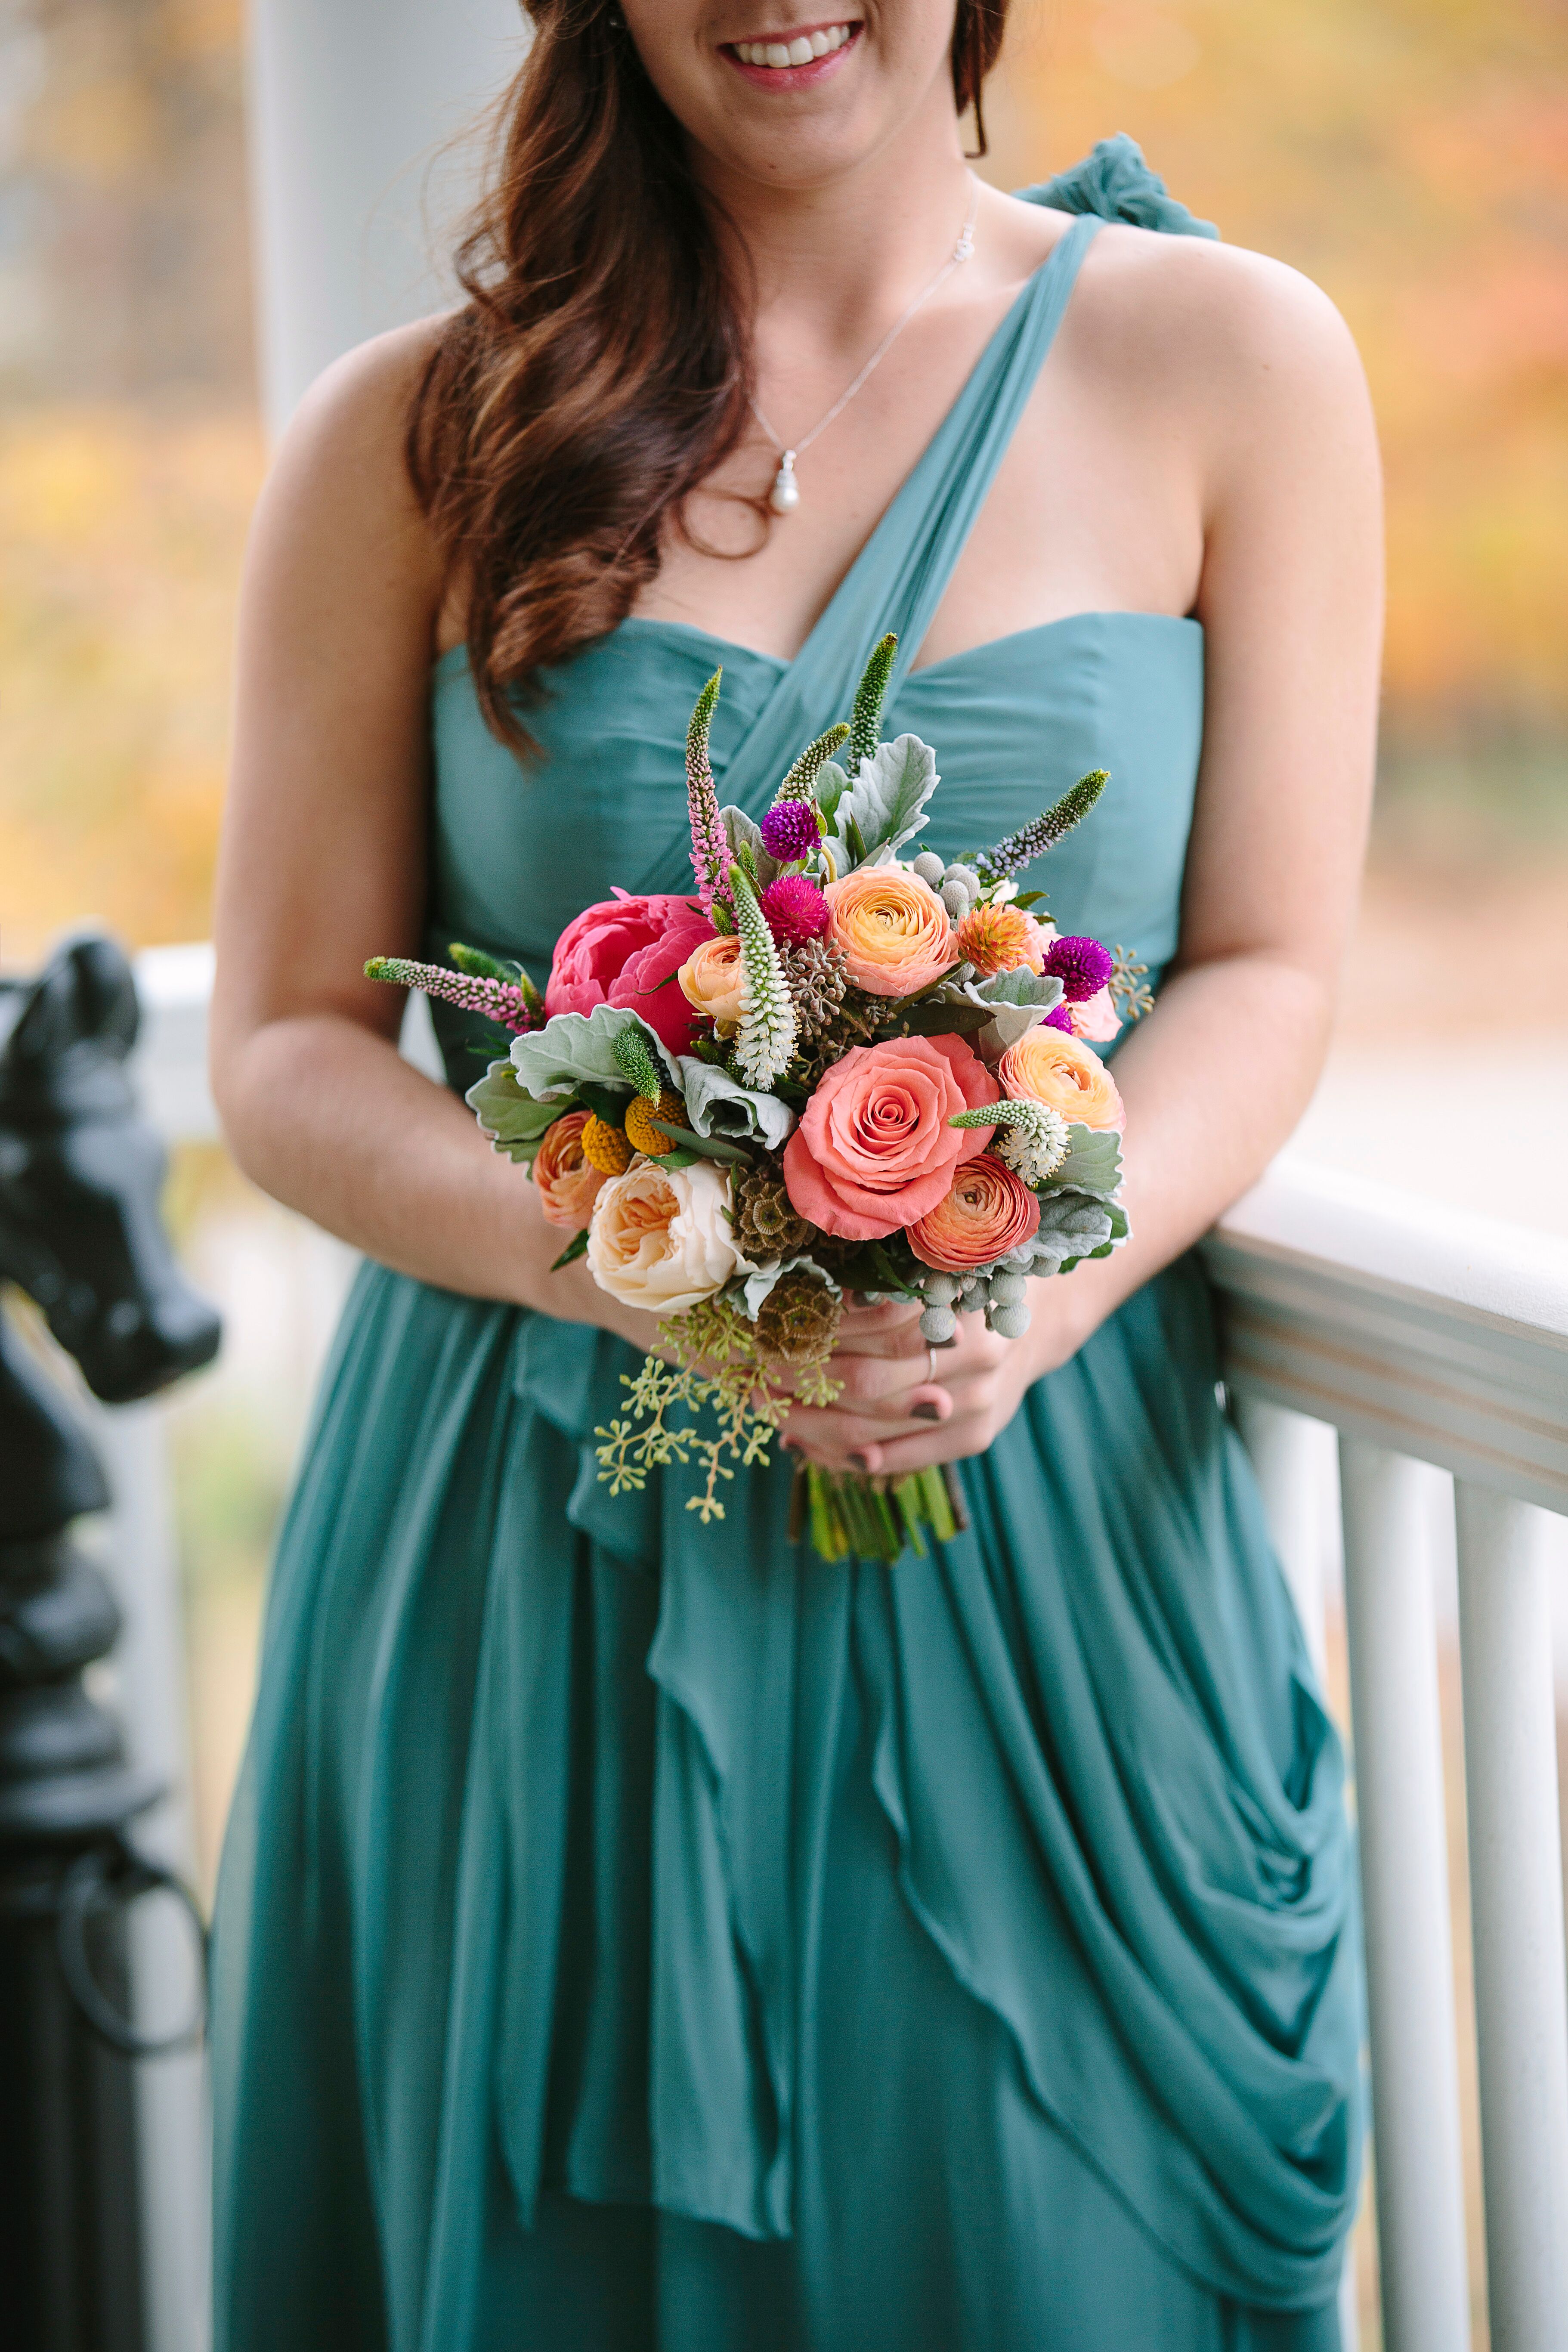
605	1147
641	1132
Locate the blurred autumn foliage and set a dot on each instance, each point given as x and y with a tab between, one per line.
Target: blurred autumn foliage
1410	155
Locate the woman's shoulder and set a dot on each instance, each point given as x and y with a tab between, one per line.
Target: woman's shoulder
339	537
1213	324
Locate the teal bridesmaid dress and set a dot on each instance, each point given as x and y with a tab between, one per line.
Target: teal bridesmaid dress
638	1936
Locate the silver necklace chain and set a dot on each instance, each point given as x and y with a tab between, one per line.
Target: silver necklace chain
784	496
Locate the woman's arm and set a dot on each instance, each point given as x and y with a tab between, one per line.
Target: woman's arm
1279	431
323	864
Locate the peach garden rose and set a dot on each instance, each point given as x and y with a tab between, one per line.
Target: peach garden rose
661	1238
895	934
1049	1066
873	1148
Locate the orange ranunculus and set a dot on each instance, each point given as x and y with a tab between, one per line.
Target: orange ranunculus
893	931
1048	1066
874	1148
989	1211
568	1186
1001	939
713	979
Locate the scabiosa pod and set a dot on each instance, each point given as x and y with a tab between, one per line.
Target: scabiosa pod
765	1045
797	784
1032	1138
866	716
1031	841
710	849
502	1001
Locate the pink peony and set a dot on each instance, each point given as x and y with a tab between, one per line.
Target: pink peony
628	951
873	1149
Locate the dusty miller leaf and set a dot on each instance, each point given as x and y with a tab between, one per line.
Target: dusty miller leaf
887	799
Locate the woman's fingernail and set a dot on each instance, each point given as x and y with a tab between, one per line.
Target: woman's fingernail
861	1461
925	1410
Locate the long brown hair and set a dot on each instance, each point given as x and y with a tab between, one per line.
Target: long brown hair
600	367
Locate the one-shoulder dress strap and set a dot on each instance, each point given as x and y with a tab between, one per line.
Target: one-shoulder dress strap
900	575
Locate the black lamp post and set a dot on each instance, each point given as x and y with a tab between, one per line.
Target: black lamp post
81	1174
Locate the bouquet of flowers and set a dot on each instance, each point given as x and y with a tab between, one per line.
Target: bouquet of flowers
837	1070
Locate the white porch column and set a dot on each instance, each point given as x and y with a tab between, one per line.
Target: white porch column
350	102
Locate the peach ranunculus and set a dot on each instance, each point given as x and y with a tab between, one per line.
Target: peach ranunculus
989	1211
1095	1017
713	979
568	1184
894	933
873	1148
1048	1066
661	1238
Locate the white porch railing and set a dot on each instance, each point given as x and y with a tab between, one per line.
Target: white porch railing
1422	1337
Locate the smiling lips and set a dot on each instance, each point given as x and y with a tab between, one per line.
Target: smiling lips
790	62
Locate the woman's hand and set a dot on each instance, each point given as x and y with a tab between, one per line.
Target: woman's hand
891	1416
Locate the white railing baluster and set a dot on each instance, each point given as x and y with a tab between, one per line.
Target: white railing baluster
1516	1909
1286	1455
1405	1885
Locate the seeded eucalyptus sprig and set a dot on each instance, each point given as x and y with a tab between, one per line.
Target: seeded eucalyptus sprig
1031	841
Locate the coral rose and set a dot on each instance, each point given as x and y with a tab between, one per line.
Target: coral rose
660	1238
628	951
713	979
873	1148
1048	1067
989	1211
1095	1017
568	1186
893	930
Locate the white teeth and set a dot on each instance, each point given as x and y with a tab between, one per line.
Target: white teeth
801	51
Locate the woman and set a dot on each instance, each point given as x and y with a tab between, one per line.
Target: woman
636	1934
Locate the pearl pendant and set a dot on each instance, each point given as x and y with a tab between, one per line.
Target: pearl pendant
784	496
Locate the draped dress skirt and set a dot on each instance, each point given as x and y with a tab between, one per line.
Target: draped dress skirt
639	1937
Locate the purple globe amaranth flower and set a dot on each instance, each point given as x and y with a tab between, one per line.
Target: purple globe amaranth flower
794	908
1059	1017
790	830
1082	966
